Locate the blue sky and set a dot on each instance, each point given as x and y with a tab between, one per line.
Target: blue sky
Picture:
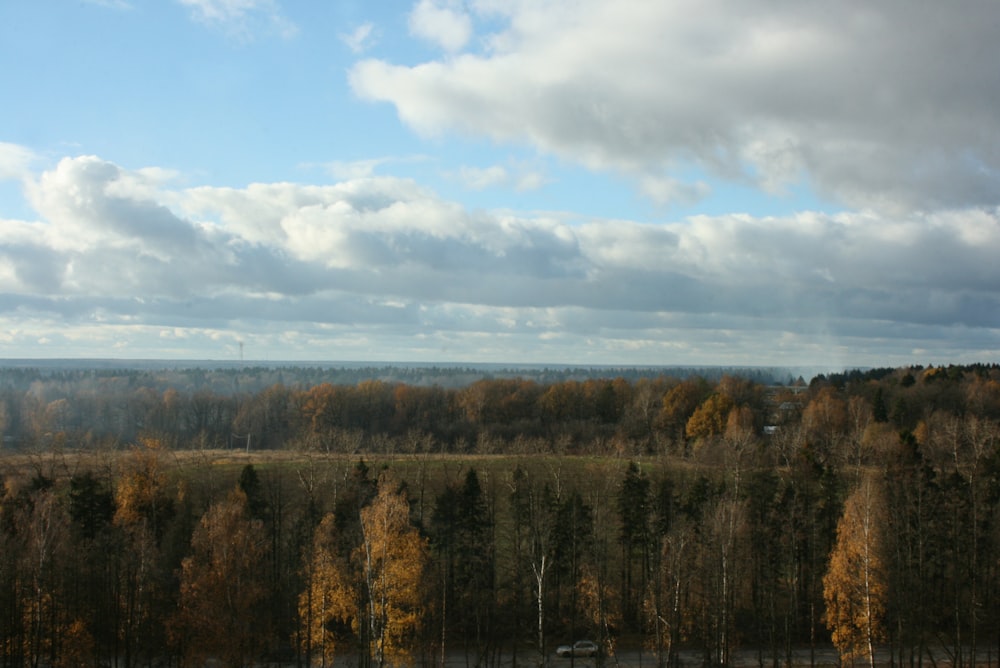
577	182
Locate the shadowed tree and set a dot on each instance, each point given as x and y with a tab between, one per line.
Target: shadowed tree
634	511
221	608
91	504
668	615
462	531
249	484
45	534
535	520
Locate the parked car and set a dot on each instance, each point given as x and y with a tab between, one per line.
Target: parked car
579	648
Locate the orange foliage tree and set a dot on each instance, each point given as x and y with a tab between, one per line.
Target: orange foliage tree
330	598
378	589
395	559
855	585
220	612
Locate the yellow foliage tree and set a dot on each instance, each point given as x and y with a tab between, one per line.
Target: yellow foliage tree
378	589
855	586
597	600
709	419
77	646
140	492
330	596
394	559
220	610
826	415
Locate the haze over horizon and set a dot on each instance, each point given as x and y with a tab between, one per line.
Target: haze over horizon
518	182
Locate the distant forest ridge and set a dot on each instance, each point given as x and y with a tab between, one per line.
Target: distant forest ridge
254	375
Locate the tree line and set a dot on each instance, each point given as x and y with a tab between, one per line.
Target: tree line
858	511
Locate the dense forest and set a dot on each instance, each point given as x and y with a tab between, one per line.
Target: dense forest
394	523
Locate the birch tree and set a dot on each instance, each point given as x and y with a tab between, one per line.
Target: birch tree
855	586
394	561
328	602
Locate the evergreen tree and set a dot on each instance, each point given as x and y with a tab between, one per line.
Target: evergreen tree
91	504
634	512
462	538
250	485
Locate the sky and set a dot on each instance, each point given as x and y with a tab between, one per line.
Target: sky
583	182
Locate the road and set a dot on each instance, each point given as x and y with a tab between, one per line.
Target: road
825	657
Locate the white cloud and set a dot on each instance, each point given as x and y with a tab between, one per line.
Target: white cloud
529	180
111	4
480	178
771	93
443	23
360	39
356	169
520	176
666	190
15	161
346	170
242	18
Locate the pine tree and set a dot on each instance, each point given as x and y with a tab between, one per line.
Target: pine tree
462	537
634	511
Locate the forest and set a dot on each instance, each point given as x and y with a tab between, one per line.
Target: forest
386	523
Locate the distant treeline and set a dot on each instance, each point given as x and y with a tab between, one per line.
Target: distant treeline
235	377
84	404
859	509
573	411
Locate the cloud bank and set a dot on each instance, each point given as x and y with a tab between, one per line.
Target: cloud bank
380	267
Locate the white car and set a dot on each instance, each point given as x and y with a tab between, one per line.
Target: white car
579	648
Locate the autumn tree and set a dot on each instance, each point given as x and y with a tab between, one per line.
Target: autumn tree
142	496
220	612
825	420
394	560
855	586
145	507
680	402
422	410
367	578
328	604
709	419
